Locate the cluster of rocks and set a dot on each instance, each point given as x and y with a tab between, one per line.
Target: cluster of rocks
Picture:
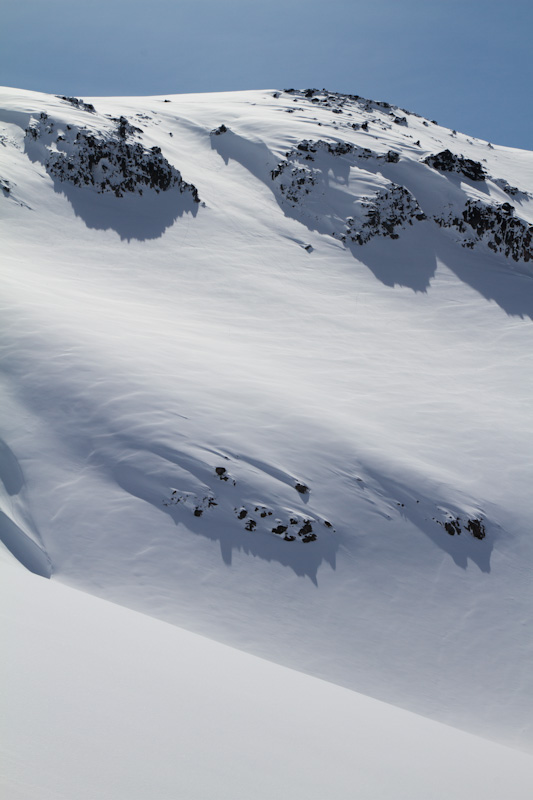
454	525
294	528
77	103
446	161
108	163
496	225
339	102
390	209
303	175
291	527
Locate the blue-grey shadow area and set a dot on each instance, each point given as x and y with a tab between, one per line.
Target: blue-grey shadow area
29	554
134	216
409	261
507	283
19	544
10	471
427	515
220	524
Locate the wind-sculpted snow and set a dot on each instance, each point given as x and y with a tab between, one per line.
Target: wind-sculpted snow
318	175
107	163
303	179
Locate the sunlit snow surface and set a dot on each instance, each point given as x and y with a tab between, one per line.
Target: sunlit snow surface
174	369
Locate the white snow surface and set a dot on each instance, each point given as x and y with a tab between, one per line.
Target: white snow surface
148	340
105	702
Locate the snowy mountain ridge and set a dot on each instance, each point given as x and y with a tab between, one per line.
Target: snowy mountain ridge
267	376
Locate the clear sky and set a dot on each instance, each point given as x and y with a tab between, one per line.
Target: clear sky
466	63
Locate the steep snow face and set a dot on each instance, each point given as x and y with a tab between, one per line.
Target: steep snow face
267	371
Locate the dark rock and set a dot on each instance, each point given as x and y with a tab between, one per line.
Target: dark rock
453	527
279	529
497	226
75	101
306	529
110	164
301	488
446	161
476	528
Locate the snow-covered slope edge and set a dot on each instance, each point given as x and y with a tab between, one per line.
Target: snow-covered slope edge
175	370
107	703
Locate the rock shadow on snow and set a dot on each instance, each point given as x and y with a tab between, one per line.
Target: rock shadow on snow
414	261
317	200
494	277
432	515
15	539
111	179
131	217
220	522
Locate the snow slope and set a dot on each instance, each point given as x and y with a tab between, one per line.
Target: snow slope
223	410
108	703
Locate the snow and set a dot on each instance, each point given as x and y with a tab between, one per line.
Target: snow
147	344
105	702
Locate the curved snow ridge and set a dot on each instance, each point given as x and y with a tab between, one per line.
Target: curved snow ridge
19	542
23	548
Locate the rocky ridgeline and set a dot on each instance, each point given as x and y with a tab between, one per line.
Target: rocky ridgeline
301	179
340	103
77	103
110	163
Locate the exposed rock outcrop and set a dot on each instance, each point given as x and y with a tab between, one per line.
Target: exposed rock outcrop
106	162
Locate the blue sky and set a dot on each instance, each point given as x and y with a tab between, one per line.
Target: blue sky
466	63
